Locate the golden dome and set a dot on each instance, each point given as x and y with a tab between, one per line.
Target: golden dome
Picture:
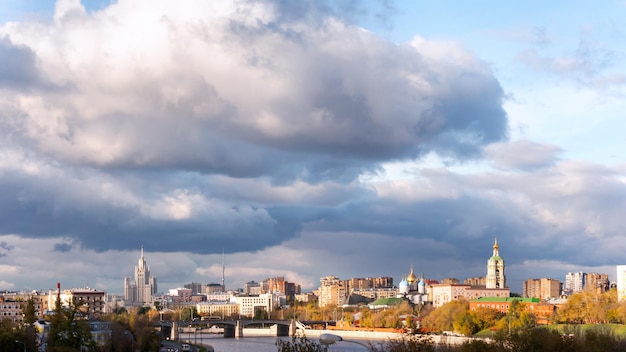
411	278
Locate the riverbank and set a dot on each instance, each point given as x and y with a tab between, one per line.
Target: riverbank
356	334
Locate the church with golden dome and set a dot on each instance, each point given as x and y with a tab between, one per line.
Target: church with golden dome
413	289
418	291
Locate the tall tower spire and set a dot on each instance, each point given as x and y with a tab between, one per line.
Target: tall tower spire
495	247
142	251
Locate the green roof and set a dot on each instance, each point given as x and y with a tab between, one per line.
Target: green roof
391	301
506	299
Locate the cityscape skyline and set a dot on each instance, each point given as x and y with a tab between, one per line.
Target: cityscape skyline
143	286
305	139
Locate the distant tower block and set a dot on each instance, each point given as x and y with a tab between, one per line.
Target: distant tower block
143	287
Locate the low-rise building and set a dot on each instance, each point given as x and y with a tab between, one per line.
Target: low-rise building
217	309
248	305
444	293
13	305
376	293
544	312
305	297
93	302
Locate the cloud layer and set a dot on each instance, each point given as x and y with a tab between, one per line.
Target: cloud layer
250	126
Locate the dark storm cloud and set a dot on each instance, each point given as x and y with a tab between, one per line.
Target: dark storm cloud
17	65
5	248
50	209
535	217
63	247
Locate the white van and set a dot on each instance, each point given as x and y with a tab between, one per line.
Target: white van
185	347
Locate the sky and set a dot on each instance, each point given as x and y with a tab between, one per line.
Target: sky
310	138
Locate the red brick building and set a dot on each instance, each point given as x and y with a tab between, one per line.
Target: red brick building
544	312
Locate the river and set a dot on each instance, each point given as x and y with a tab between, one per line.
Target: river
262	343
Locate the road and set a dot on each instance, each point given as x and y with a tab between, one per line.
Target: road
173	346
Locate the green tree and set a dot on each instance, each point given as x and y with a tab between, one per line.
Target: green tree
10	333
67	333
30	312
260	314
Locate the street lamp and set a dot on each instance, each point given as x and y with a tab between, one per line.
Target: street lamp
23	344
329	339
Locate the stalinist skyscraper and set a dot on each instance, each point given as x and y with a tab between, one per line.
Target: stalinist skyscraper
495	269
144	286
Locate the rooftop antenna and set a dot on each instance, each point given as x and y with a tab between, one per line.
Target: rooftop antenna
223	287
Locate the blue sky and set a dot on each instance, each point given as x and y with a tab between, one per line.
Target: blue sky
309	139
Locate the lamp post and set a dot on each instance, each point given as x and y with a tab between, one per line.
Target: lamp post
23	344
329	339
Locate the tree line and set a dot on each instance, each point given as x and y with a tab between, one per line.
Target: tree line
586	307
133	331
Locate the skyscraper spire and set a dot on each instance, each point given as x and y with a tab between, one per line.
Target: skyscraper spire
142	251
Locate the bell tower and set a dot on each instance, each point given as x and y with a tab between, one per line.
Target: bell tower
495	269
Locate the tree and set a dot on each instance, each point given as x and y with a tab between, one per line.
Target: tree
66	331
10	333
30	312
260	314
592	307
408	343
143	333
444	317
300	344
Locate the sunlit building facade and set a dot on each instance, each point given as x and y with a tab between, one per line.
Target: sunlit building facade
143	287
620	279
495	269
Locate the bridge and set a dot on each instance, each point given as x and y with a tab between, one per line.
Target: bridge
234	327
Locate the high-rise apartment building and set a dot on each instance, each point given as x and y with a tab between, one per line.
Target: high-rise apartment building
252	288
475	281
195	287
620	278
495	269
276	284
332	291
213	288
143	287
575	282
357	283
597	282
543	288
280	285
